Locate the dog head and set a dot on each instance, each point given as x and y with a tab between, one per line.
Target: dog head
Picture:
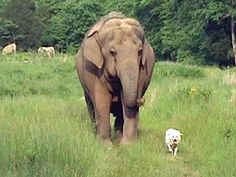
173	136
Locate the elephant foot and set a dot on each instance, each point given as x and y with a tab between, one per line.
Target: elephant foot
106	143
140	101
118	135
128	140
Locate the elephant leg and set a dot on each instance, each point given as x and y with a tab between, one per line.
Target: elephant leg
102	99
119	121
118	125
130	128
90	108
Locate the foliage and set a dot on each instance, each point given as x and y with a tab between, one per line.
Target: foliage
187	94
189	32
24	14
26	81
67	29
46	131
170	69
7	31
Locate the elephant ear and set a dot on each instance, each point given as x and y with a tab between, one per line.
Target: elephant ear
148	53
92	51
145	72
95	29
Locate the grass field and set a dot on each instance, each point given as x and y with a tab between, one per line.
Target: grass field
45	130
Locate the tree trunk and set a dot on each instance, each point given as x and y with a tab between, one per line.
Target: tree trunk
233	37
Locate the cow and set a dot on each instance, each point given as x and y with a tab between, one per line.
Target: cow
50	51
9	49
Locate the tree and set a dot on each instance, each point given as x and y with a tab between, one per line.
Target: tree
232	15
147	12
70	23
8	31
194	31
26	16
221	14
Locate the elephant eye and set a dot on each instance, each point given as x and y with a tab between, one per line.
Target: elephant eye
113	52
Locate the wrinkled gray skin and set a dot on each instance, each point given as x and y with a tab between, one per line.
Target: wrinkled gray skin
115	64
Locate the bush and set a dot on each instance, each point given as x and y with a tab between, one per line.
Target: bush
167	69
37	76
186	57
193	94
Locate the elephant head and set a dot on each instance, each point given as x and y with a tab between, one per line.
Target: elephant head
118	47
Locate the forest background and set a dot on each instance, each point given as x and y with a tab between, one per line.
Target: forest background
191	32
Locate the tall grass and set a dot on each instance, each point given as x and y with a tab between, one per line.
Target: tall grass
45	128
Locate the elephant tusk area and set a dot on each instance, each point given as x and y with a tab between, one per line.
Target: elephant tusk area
140	101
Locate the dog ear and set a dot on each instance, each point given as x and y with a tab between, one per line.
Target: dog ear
179	132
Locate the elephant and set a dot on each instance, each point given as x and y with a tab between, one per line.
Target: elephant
114	64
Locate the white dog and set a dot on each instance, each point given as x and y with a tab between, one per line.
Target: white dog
172	138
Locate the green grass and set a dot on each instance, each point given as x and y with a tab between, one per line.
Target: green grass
45	130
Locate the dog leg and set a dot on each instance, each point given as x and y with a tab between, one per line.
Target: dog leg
169	148
175	151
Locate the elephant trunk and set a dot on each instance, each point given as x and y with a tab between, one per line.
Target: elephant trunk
129	95
129	81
